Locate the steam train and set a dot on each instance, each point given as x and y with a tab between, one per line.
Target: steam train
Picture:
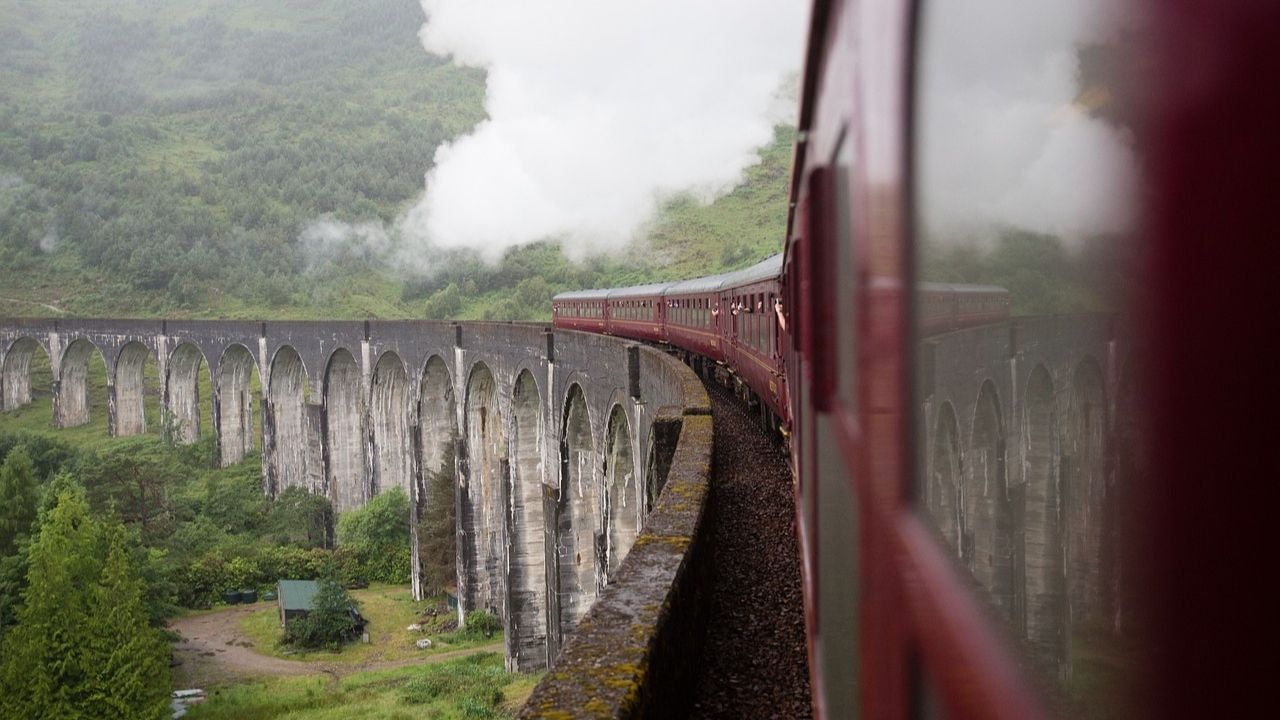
737	320
896	626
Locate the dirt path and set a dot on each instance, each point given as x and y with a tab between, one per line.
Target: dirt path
53	308
213	651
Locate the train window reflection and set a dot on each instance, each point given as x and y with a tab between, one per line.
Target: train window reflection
1025	177
846	274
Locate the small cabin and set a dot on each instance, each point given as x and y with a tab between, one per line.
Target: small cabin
295	598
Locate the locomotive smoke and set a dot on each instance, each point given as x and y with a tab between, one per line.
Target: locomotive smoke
597	111
1003	143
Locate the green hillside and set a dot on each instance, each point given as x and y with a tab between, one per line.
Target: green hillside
162	157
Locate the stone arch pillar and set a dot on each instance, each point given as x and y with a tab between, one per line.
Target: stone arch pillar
127	398
233	404
1085	470
987	546
577	521
527	581
284	428
621	499
946	473
182	393
483	478
1130	466
71	385
435	494
389	400
344	433
1044	600
17	373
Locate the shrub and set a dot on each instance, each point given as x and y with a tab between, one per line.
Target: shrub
330	622
302	518
482	623
377	535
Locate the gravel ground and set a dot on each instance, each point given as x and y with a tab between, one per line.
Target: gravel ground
756	664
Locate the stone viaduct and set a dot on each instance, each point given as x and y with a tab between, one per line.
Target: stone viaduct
1028	442
554	438
561	444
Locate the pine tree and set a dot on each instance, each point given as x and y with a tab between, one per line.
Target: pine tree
130	678
82	647
17	498
43	671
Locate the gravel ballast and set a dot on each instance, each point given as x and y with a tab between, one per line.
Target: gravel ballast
755	663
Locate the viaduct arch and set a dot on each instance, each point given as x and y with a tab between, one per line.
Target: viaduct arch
537	430
1023	441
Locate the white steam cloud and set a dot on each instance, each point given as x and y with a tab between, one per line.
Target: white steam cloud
49	241
328	240
600	110
1003	140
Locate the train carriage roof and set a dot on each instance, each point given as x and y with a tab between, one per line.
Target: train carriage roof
575	295
960	288
639	291
767	269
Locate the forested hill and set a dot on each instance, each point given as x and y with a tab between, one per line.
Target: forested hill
164	157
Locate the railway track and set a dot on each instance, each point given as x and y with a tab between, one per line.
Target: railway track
755	661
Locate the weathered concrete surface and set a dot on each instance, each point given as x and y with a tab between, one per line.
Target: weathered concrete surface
182	393
630	655
621	501
527	527
124	401
1019	461
233	403
16	377
344	433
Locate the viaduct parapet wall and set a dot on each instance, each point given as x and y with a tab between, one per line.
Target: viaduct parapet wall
551	437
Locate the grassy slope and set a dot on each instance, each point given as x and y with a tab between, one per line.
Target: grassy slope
197	115
474	687
352	103
389	610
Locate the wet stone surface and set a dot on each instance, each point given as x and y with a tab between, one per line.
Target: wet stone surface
755	662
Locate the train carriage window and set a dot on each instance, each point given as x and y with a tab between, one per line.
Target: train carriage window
846	277
1024	157
772	325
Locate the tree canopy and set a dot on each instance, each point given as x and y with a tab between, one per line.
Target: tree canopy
378	534
82	646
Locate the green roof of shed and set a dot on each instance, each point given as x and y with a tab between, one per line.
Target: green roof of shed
297	594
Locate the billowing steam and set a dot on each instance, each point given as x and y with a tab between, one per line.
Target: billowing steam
329	240
600	110
49	241
1007	139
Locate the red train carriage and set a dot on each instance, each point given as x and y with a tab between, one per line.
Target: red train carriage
947	306
638	312
985	610
987	605
581	310
695	317
751	332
